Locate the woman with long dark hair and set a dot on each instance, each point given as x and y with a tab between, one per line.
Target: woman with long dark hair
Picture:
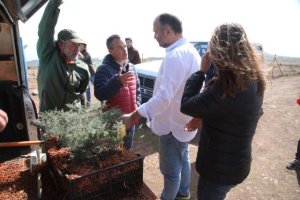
230	106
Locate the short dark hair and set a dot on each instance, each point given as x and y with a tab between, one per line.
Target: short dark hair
128	39
110	39
172	21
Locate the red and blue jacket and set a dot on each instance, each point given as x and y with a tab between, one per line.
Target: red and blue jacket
108	87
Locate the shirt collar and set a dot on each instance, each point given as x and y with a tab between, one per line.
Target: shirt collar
176	44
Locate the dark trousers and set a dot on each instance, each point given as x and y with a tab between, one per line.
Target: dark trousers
212	191
298	151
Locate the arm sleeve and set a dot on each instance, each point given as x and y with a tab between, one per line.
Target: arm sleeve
201	104
191	89
46	29
105	85
136	58
172	77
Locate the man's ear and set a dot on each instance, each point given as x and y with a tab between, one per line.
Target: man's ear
168	29
109	51
60	46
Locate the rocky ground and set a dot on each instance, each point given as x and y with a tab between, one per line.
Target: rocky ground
274	144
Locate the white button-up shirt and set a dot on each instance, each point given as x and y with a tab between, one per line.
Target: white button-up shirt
162	111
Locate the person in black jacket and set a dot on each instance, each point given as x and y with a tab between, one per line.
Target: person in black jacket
85	56
230	106
133	53
295	164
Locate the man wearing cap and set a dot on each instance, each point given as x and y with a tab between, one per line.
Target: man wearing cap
62	77
133	54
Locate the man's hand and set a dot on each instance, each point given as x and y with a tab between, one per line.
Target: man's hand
131	119
193	125
126	78
57	3
3	120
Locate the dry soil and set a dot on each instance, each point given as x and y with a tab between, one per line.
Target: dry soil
274	144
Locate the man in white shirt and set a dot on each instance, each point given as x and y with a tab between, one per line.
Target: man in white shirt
162	111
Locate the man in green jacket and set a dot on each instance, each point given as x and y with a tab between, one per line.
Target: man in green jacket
62	77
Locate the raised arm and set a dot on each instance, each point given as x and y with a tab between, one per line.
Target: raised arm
46	29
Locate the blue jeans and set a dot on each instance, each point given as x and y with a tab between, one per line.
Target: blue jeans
88	89
128	139
88	94
175	166
212	191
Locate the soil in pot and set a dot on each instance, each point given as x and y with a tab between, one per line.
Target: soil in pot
107	173
18	183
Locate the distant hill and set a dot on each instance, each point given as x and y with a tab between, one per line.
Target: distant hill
150	59
35	63
32	63
97	61
269	57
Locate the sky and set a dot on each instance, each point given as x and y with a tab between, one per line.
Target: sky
273	23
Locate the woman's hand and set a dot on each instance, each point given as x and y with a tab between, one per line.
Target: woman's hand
205	62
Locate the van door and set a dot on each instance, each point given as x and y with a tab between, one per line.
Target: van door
15	99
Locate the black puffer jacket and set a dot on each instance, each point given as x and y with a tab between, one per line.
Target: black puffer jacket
224	152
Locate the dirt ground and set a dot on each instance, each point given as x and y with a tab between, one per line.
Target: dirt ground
274	145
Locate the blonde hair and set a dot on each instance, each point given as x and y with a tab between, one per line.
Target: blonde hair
235	60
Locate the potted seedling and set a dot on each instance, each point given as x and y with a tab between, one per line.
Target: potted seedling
84	147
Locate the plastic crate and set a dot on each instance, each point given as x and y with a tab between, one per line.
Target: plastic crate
124	178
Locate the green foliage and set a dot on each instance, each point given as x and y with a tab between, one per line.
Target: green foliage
82	128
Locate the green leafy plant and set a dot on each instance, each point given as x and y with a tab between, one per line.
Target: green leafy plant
82	129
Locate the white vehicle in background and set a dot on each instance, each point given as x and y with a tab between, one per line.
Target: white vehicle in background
147	72
201	47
